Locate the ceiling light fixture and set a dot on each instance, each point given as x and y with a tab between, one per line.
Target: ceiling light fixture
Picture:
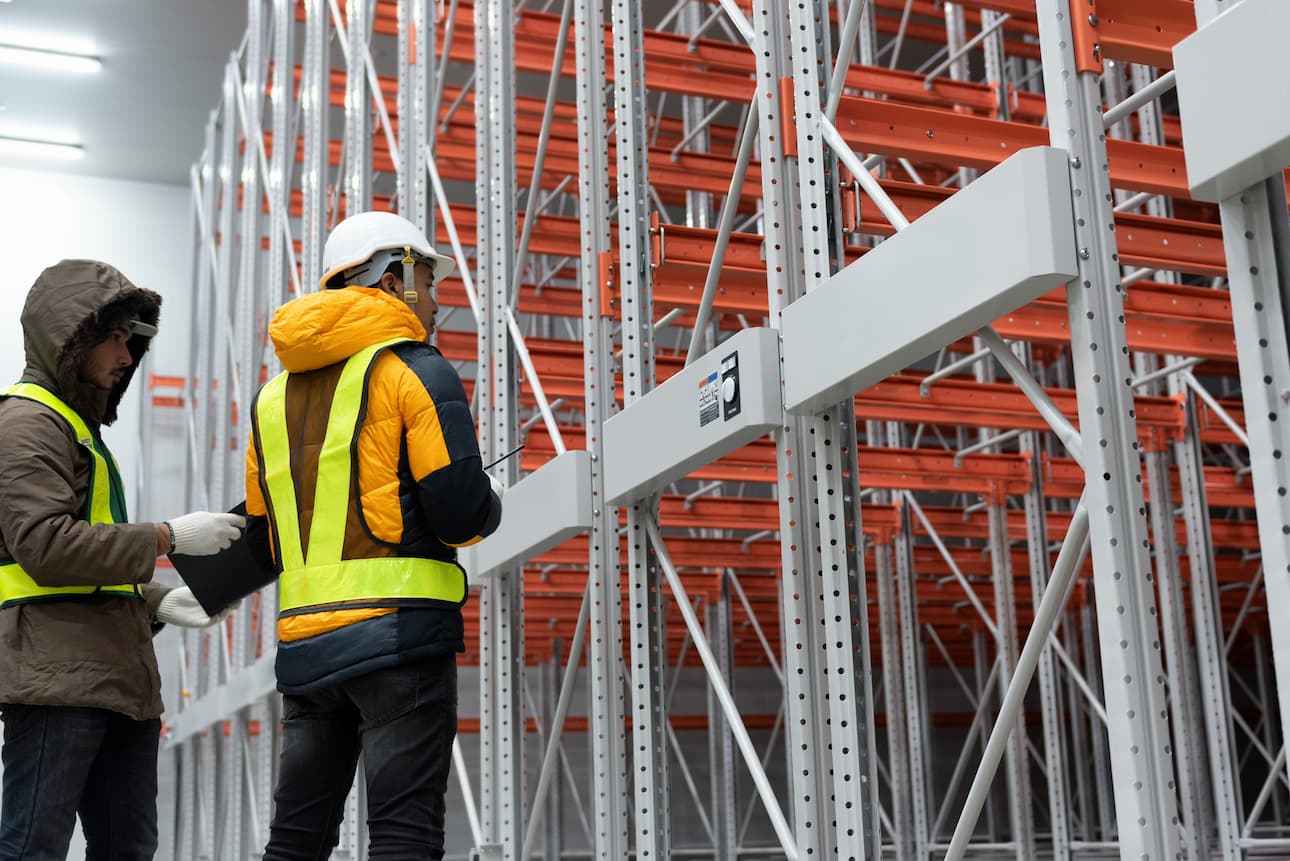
50	60
16	146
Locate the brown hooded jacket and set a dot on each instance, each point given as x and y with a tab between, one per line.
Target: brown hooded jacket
93	651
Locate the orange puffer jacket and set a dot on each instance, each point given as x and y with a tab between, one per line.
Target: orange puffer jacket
421	489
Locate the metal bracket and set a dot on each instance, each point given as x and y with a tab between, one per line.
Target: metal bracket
1237	130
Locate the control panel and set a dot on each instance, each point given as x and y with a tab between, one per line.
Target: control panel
730	387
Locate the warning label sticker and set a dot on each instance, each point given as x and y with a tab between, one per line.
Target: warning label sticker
709	401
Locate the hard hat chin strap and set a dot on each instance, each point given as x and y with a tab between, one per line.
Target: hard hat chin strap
409	284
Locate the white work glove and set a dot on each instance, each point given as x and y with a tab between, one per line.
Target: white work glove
498	487
203	533
180	607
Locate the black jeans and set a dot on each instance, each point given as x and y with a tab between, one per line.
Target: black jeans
402	720
60	761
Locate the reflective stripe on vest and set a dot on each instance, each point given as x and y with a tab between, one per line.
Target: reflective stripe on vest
319	579
105	504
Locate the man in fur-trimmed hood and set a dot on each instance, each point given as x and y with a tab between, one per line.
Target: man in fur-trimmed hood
79	689
72	307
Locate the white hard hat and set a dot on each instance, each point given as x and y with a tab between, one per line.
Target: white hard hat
355	249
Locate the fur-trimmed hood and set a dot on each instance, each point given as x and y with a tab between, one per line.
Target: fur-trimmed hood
72	307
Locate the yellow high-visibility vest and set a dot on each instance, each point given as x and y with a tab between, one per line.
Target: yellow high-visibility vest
320	579
106	504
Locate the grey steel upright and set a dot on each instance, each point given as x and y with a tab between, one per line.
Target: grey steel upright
1256	237
609	746
501	598
1133	677
648	656
824	624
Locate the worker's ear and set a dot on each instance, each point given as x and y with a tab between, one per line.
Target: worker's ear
390	284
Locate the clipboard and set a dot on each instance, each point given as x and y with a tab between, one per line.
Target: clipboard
222	578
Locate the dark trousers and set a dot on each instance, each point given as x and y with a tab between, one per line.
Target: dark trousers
60	761
402	720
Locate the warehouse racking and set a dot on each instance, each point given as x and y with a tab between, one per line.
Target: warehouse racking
1018	348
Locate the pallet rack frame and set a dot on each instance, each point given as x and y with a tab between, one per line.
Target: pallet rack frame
852	489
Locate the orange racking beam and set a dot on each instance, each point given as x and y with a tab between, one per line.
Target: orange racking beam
1146	332
700	723
1192	321
711	66
1022	11
974	141
672	178
1135	31
942	605
961	401
941	600
951	401
1024	23
759	569
1127	27
882	520
553	596
993	476
959	139
669	128
672	64
1172	244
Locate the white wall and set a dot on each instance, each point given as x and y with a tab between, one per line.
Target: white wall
142	229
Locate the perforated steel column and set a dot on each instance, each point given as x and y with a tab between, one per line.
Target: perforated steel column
222	360
199	385
1055	751
893	692
358	110
1256	238
1016	766
278	185
823	614
786	259
1133	677
721	748
501	630
839	612
913	665
1206	630
247	287
605	643
416	71
649	805
314	105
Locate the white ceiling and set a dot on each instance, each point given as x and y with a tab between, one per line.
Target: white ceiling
143	115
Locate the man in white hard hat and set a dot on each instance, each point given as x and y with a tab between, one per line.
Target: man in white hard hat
365	468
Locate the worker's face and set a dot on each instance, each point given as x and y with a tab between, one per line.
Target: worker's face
106	363
425	307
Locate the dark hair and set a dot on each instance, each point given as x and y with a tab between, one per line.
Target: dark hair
396	269
338	280
105	321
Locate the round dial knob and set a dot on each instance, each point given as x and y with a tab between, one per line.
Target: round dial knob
728	389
